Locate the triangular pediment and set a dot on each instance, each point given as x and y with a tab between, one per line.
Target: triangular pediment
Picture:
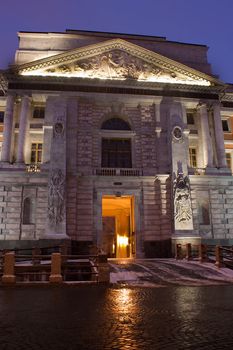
116	59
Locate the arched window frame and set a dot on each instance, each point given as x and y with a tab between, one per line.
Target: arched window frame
115	123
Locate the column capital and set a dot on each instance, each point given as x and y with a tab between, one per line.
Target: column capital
216	105
24	97
11	93
202	104
157	100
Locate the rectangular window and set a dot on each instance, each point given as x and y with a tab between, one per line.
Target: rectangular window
190	118
228	160
39	112
36	153
225	125
192	157
1	116
116	153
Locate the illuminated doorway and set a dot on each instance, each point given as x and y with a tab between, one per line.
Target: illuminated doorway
118	235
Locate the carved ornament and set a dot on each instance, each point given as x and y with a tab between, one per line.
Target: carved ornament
177	134
56	200
182	199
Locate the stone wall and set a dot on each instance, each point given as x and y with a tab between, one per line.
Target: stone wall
218	192
14	190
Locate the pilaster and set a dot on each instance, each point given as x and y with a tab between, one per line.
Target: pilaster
179	143
8	128
56	223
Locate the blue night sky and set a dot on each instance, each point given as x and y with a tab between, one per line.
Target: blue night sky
206	22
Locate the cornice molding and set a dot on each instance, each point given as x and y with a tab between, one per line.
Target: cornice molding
127	84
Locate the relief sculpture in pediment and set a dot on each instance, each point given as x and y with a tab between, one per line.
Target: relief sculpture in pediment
117	65
112	65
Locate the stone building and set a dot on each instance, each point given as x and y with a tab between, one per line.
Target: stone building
118	141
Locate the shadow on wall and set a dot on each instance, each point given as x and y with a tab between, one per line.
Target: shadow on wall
161	247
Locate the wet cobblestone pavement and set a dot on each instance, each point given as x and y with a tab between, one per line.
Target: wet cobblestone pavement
98	317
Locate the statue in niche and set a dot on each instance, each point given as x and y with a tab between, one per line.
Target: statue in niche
182	200
56	197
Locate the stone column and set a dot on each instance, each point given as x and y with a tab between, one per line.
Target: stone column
206	139
8	128
219	136
23	120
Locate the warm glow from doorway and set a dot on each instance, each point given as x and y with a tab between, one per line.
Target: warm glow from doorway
122	241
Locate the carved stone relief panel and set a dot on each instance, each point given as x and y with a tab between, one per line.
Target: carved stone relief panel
182	203
56	197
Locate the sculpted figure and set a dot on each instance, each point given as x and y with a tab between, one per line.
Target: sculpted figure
56	197
108	66
182	201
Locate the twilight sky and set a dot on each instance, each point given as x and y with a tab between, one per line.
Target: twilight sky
206	22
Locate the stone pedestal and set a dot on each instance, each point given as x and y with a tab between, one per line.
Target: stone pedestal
55	276
9	269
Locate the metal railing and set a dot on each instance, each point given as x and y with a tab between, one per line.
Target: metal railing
33	168
118	172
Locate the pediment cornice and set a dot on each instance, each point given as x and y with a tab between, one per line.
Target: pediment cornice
116	59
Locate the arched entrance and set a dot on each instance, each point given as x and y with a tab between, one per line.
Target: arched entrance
118	231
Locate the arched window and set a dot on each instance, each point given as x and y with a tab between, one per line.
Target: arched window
116	146
28	211
115	124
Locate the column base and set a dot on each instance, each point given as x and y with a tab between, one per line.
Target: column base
5	164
